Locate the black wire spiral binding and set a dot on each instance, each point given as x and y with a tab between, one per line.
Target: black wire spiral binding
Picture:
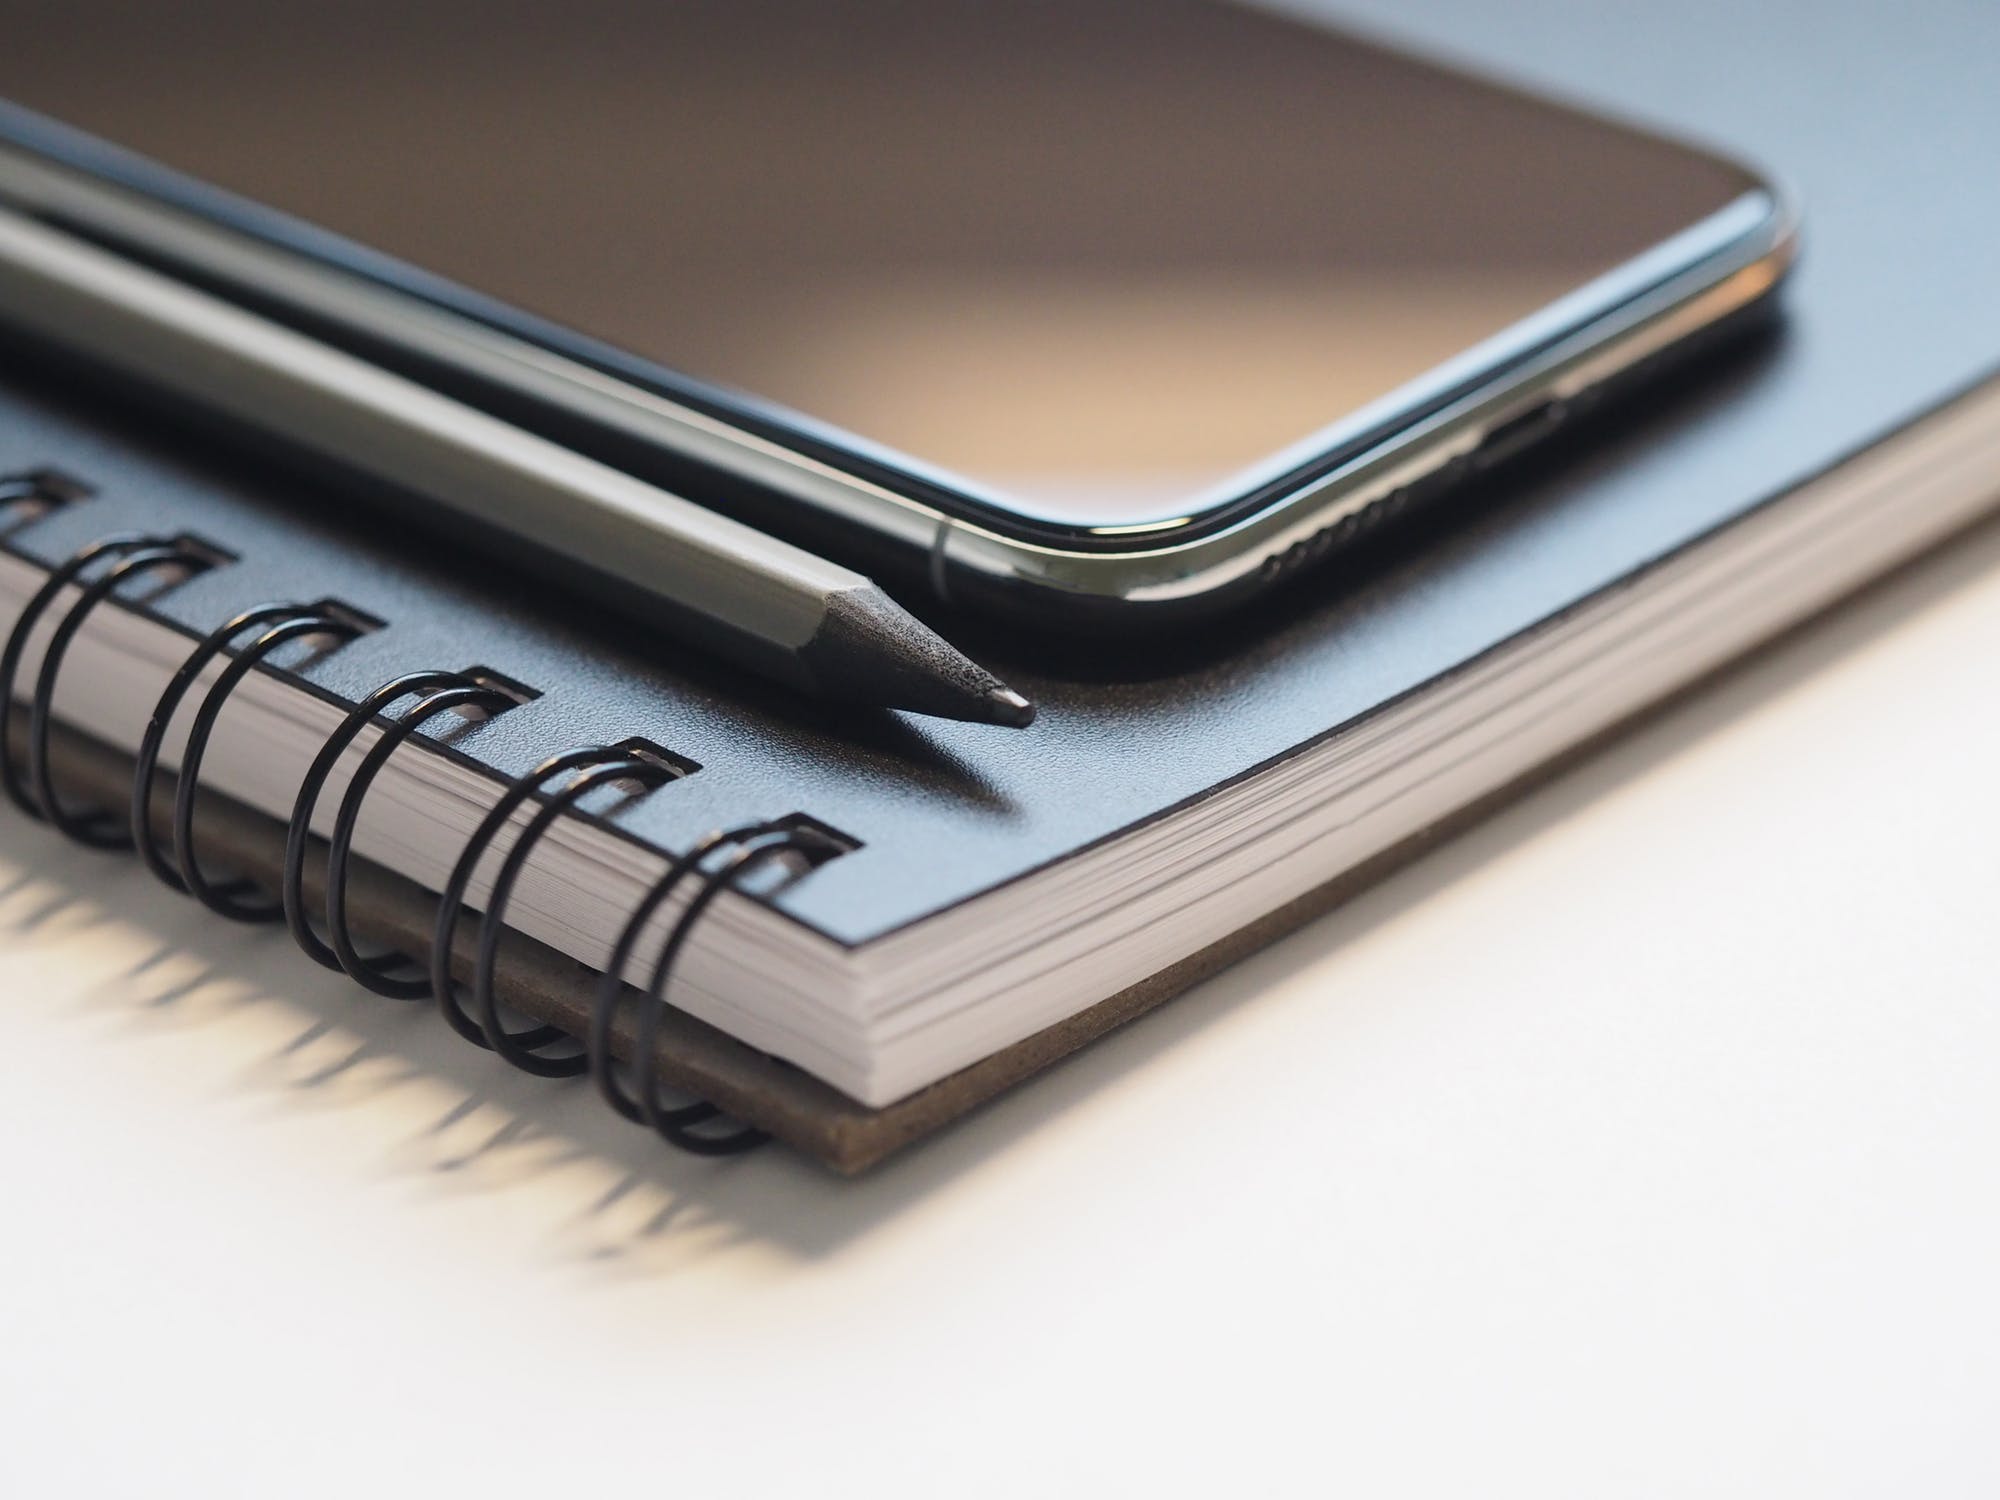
145	767
475	1014
135	553
492	923
374	974
642	1105
594	766
378	973
755	845
227	901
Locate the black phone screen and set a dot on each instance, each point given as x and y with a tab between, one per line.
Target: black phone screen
1097	259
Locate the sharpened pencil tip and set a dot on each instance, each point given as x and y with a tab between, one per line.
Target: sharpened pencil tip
869	649
1008	707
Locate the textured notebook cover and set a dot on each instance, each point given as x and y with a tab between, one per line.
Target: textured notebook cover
1893	311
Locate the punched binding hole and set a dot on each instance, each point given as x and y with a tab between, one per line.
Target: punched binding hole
30	494
818	842
671	766
204	553
359	621
502	684
304	647
800	845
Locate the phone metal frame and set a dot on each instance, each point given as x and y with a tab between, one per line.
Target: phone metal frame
862	503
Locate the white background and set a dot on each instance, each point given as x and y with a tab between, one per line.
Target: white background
1641	1142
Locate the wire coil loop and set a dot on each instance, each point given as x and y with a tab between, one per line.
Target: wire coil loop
492	922
378	973
526	1049
146	764
230	899
33	791
753	846
298	834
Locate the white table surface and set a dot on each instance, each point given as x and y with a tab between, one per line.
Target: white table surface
1641	1142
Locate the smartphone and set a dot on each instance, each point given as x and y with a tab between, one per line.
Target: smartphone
1089	311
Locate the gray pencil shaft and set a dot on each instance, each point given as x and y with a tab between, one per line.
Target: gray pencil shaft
751	596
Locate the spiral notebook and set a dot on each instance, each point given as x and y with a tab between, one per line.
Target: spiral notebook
842	930
740	915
